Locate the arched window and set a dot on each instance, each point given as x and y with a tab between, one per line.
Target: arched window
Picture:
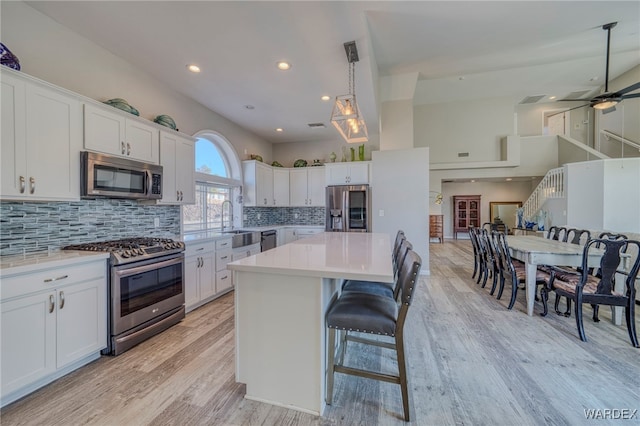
218	179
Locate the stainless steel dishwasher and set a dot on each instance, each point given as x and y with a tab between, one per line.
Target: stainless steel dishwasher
268	240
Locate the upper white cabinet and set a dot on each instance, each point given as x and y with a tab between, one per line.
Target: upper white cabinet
41	140
112	132
355	173
258	184
280	187
307	187
177	157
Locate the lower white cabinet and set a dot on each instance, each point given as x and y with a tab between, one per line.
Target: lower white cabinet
246	251
293	234
206	276
53	321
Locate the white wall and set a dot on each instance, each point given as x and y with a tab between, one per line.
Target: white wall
55	54
622	195
475	127
397	125
400	188
584	192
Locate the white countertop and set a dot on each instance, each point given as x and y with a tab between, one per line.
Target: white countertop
216	235
352	255
11	265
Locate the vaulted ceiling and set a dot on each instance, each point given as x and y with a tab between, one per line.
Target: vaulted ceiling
457	51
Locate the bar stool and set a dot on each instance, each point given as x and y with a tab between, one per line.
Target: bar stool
373	314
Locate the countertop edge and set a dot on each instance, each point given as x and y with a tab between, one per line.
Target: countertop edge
16	265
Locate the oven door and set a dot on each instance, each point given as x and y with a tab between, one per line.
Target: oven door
144	290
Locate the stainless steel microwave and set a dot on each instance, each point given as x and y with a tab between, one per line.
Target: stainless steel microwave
114	177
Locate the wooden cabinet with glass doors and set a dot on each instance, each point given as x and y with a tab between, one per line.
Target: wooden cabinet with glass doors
466	212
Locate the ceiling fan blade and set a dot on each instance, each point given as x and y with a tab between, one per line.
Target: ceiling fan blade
567	110
573	100
633	95
608	110
628	89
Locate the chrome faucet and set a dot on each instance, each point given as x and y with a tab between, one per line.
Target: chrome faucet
230	213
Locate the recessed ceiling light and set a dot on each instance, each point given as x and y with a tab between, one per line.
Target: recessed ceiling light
279	129
509	179
325	98
283	65
552	97
193	68
473	180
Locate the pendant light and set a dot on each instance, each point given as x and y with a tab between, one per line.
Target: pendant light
346	115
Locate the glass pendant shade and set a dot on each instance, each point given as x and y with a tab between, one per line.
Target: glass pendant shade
347	120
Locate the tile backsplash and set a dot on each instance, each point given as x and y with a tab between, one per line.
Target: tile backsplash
264	216
27	227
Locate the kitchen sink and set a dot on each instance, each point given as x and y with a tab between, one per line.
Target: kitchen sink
243	238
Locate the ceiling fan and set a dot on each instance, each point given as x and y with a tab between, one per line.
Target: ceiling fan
607	102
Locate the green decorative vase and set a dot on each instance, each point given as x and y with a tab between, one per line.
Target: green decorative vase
361	152
353	154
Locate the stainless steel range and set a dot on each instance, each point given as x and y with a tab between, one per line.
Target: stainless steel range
146	288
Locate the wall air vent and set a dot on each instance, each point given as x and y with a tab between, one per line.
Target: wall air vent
316	125
532	99
463	154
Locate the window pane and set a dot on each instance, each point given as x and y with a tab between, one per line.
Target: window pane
206	213
209	160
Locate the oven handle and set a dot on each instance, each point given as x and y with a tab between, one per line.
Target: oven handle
123	271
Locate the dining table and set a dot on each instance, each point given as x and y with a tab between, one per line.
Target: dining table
534	251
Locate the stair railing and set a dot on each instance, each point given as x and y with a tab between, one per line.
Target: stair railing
551	186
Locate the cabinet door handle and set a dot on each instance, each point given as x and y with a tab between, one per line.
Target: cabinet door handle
177	195
48	280
122	148
200	249
200	262
224	278
32	185
52	303
22	184
128	148
224	257
224	244
181	196
61	299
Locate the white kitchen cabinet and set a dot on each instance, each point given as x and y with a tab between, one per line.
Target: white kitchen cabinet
258	184
289	235
224	254
307	232
177	158
53	321
280	187
246	251
293	234
355	173
41	141
110	131
307	187
200	274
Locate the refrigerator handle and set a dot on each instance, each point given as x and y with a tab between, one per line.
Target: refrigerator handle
345	210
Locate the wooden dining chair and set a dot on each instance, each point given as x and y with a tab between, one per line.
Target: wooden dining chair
478	254
372	314
572	236
586	288
515	275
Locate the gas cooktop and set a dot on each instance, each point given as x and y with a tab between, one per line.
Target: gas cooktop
128	250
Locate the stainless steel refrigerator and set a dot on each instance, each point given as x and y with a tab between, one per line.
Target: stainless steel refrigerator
348	208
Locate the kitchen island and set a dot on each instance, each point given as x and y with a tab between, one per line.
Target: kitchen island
280	302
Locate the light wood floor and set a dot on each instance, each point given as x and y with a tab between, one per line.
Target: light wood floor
472	362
